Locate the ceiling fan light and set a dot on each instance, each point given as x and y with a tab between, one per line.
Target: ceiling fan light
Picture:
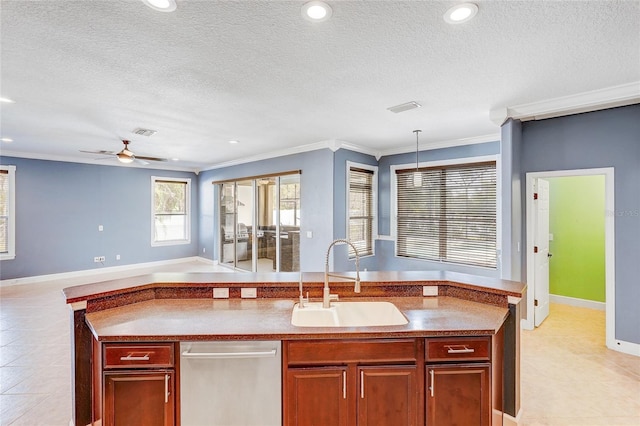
161	5
125	156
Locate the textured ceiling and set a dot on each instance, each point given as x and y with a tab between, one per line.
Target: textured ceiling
85	73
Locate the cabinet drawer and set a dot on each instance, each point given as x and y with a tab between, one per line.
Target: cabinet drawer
343	351
138	355
458	349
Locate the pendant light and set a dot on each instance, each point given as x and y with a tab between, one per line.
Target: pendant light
417	176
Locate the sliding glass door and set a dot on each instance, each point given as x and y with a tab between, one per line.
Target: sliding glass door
260	223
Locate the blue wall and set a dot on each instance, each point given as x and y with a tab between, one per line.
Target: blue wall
316	203
340	254
609	138
59	206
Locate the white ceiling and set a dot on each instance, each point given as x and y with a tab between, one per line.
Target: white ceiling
84	74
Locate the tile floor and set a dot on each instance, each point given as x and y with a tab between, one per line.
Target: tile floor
568	376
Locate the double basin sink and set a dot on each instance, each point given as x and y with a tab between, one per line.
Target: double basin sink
347	314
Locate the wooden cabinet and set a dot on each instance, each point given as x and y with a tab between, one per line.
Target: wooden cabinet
316	396
458	380
388	395
138	384
349	382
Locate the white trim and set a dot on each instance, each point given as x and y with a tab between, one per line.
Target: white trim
493	137
67	159
609	230
374	201
11	221
608	97
91	273
187	239
580	303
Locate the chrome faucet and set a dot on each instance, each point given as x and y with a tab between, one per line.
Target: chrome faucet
327	297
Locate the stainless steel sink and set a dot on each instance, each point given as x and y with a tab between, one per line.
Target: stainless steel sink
347	314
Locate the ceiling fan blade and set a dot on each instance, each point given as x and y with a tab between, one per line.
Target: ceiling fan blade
101	152
143	162
141	157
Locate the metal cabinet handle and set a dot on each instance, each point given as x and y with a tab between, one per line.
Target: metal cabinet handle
166	388
361	384
463	350
130	357
344	385
225	355
433	383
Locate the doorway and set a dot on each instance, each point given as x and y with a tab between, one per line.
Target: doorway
537	291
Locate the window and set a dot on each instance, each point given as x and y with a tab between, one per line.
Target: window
449	214
7	212
361	191
171	211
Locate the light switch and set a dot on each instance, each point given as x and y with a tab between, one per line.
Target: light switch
309	234
100	228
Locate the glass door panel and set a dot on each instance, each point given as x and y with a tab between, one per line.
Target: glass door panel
227	223
289	223
244	228
266	229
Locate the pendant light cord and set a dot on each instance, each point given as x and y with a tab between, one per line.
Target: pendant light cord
417	132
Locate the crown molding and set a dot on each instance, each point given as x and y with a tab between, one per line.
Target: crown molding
65	159
493	137
594	100
332	144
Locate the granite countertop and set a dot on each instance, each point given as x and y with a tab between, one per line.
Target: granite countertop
262	319
288	279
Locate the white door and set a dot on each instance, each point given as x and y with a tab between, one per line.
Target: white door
541	251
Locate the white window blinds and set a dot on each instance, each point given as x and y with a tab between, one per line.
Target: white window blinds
449	215
361	211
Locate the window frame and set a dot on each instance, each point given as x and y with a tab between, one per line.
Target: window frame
187	239
374	204
11	220
450	162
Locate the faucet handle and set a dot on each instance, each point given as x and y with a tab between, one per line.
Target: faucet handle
303	300
333	297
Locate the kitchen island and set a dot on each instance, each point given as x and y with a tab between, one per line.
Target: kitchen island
179	307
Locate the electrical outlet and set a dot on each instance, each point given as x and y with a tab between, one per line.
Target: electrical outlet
99	259
249	293
221	293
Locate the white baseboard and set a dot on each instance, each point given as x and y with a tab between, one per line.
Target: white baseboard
101	271
624	347
581	303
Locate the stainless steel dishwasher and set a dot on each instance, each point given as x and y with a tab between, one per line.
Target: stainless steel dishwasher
230	383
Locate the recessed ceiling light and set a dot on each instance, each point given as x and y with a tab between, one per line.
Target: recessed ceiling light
7	101
6	140
233	142
461	13
316	11
161	5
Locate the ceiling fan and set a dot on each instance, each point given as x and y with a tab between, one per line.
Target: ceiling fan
126	156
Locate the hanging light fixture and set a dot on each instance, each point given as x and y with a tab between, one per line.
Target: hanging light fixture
417	176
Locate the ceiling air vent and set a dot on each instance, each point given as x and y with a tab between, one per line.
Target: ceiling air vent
144	132
404	107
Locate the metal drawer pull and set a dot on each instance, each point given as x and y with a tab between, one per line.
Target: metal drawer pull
344	385
361	384
223	355
130	357
433	383
463	349
166	388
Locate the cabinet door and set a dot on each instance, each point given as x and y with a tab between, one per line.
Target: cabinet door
139	398
458	395
388	396
316	396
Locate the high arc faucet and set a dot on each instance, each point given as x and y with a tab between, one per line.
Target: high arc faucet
327	297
